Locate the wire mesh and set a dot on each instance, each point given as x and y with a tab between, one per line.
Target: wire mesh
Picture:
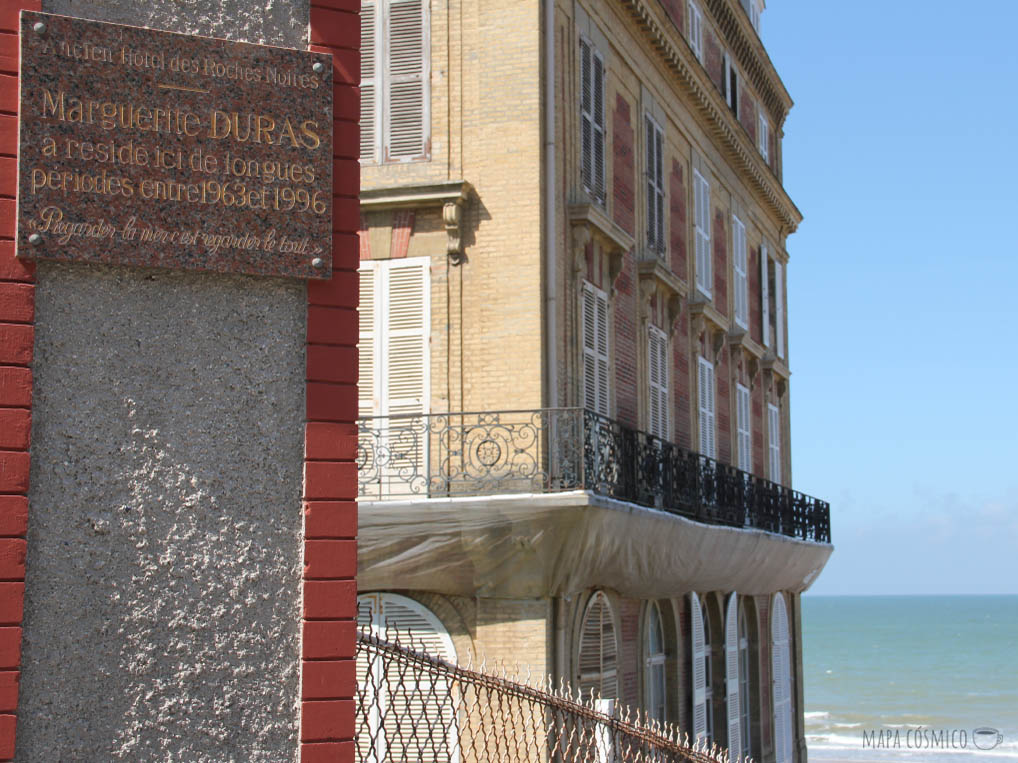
414	707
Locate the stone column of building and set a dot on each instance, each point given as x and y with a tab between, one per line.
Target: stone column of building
160	432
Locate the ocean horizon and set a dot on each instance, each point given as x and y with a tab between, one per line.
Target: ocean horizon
907	678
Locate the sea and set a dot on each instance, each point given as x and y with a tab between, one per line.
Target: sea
911	678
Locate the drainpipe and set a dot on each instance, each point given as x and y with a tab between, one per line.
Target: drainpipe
550	197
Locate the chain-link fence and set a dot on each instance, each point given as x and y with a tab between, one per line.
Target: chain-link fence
413	707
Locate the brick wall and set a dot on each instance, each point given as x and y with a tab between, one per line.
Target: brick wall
712	57
747	113
677	212
753	287
330	477
626	384
623	189
676	11
756	395
719	242
17	317
722	407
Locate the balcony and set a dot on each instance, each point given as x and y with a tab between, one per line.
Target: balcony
567	449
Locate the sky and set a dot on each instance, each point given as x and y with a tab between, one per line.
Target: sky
903	287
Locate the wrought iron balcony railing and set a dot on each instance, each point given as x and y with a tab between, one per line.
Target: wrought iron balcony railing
559	449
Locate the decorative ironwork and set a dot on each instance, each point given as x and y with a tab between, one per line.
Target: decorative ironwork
558	449
411	706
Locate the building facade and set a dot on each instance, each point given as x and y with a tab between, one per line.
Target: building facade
574	354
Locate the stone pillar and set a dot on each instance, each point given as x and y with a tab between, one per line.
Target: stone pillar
188	582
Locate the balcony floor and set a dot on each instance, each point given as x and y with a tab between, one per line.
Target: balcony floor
553	544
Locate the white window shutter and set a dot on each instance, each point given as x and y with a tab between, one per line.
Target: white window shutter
732	677
655	187
368	394
696	30
598	653
740	268
774	441
598	86
781	681
742	415
699	674
779	308
407	79
701	200
369	118
657	363
405	388
595	350
586	117
706	400
765	301
655	683
763	137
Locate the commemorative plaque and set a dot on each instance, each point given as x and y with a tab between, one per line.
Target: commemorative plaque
149	148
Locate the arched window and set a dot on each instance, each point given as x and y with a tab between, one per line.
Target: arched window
654	664
394	702
744	691
703	694
598	655
781	677
732	678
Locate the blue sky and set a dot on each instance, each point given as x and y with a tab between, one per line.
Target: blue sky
900	152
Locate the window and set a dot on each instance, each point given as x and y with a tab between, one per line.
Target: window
395	81
696	30
429	705
655	188
774	442
654	664
752	8
742	425
706	400
740	268
598	655
596	394
701	202
744	692
763	137
592	120
393	378
703	714
781	681
657	363
733	700
730	83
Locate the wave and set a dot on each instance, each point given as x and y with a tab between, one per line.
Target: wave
816	715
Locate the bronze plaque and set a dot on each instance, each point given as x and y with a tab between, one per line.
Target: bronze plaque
140	147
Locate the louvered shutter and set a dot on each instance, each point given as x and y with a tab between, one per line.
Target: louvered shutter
742	415
701	200
764	137
765	301
781	681
699	671
367	379
595	350
657	363
407	334
740	268
696	30
655	187
586	117
598	118
774	441
598	653
654	664
706	400
732	677
779	308
407	80
369	82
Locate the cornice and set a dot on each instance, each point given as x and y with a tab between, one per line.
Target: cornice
727	132
423	195
743	40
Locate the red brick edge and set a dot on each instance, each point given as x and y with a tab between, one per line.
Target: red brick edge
330	472
17	319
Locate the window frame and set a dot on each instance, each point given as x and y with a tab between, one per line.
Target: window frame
774	467
743	427
740	272
730	82
745	668
654	206
659	426
706	407
763	136
694	37
595	185
703	261
654	665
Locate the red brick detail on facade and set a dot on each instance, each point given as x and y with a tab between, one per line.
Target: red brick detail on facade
676	12
17	316
753	286
402	228
681	384
626	343
747	114
712	57
723	409
329	636
720	242
756	397
623	172
677	211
